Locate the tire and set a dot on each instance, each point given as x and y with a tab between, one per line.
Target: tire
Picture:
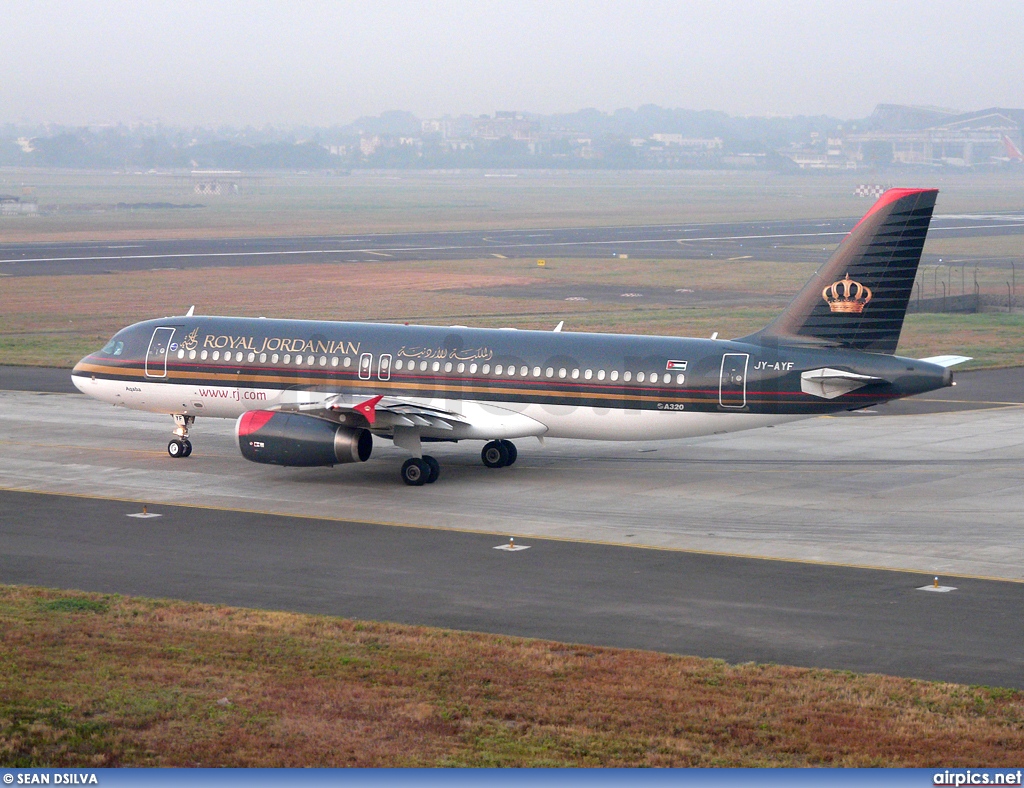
176	448
434	467
415	472
188	448
494	455
511	450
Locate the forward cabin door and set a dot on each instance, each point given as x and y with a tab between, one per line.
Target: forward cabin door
156	355
732	383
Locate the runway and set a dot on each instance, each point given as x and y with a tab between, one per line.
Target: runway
786	241
732	608
804	544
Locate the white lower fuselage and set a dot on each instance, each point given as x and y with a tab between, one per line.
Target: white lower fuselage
487	420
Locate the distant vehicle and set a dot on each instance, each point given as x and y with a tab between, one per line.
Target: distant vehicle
311	393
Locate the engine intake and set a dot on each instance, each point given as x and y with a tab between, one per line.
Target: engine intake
295	439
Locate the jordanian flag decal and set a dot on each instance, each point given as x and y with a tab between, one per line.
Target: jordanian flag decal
676	366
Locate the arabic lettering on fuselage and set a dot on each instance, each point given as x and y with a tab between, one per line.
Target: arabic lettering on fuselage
442	353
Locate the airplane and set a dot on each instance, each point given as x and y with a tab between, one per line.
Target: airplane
319	393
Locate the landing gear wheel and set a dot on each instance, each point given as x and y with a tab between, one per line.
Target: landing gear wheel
176	448
415	472
187	449
494	454
513	453
433	466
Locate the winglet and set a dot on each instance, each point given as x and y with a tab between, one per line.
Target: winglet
191	311
369	408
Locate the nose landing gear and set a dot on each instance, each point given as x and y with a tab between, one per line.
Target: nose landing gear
181	446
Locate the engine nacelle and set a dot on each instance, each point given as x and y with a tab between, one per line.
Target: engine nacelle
279	438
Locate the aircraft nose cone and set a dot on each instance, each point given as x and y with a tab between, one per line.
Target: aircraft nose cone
79	375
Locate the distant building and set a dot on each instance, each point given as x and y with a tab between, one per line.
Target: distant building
14	206
958	139
505	125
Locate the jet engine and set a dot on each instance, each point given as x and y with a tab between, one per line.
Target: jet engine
295	439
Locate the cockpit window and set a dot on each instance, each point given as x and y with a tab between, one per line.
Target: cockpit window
113	348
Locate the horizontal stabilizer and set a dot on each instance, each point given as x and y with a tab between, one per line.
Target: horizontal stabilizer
946	361
830	383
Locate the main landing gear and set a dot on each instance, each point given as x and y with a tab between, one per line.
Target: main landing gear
181	446
498	454
418	471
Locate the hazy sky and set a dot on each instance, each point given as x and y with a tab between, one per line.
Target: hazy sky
249	62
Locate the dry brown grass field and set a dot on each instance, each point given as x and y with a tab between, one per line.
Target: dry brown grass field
92	680
382	202
54	321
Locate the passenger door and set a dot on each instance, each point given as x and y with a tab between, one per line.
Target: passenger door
156	355
732	383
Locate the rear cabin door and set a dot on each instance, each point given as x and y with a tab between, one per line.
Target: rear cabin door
732	385
156	356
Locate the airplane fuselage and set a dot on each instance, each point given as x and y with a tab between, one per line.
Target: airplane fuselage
555	384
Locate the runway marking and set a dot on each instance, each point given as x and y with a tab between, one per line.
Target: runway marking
410	249
558	539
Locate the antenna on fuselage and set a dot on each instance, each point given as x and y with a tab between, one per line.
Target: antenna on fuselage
559	326
191	309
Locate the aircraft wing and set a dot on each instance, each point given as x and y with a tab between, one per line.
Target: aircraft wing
403	418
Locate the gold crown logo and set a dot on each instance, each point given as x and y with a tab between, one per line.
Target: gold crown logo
846	295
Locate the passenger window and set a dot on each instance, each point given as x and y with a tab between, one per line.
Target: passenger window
524	371
472	369
203	355
399	364
511	370
614	375
680	379
667	378
600	374
549	372
562	373
216	355
287	358
435	367
461	368
191	355
423	366
486	369
536	372
348	361
575	374
497	369
334	361
627	376
263	358
298	360
274	358
252	357
448	367
309	360
181	354
639	377
588	374
323	361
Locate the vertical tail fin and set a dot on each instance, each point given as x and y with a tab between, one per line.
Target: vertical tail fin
858	299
